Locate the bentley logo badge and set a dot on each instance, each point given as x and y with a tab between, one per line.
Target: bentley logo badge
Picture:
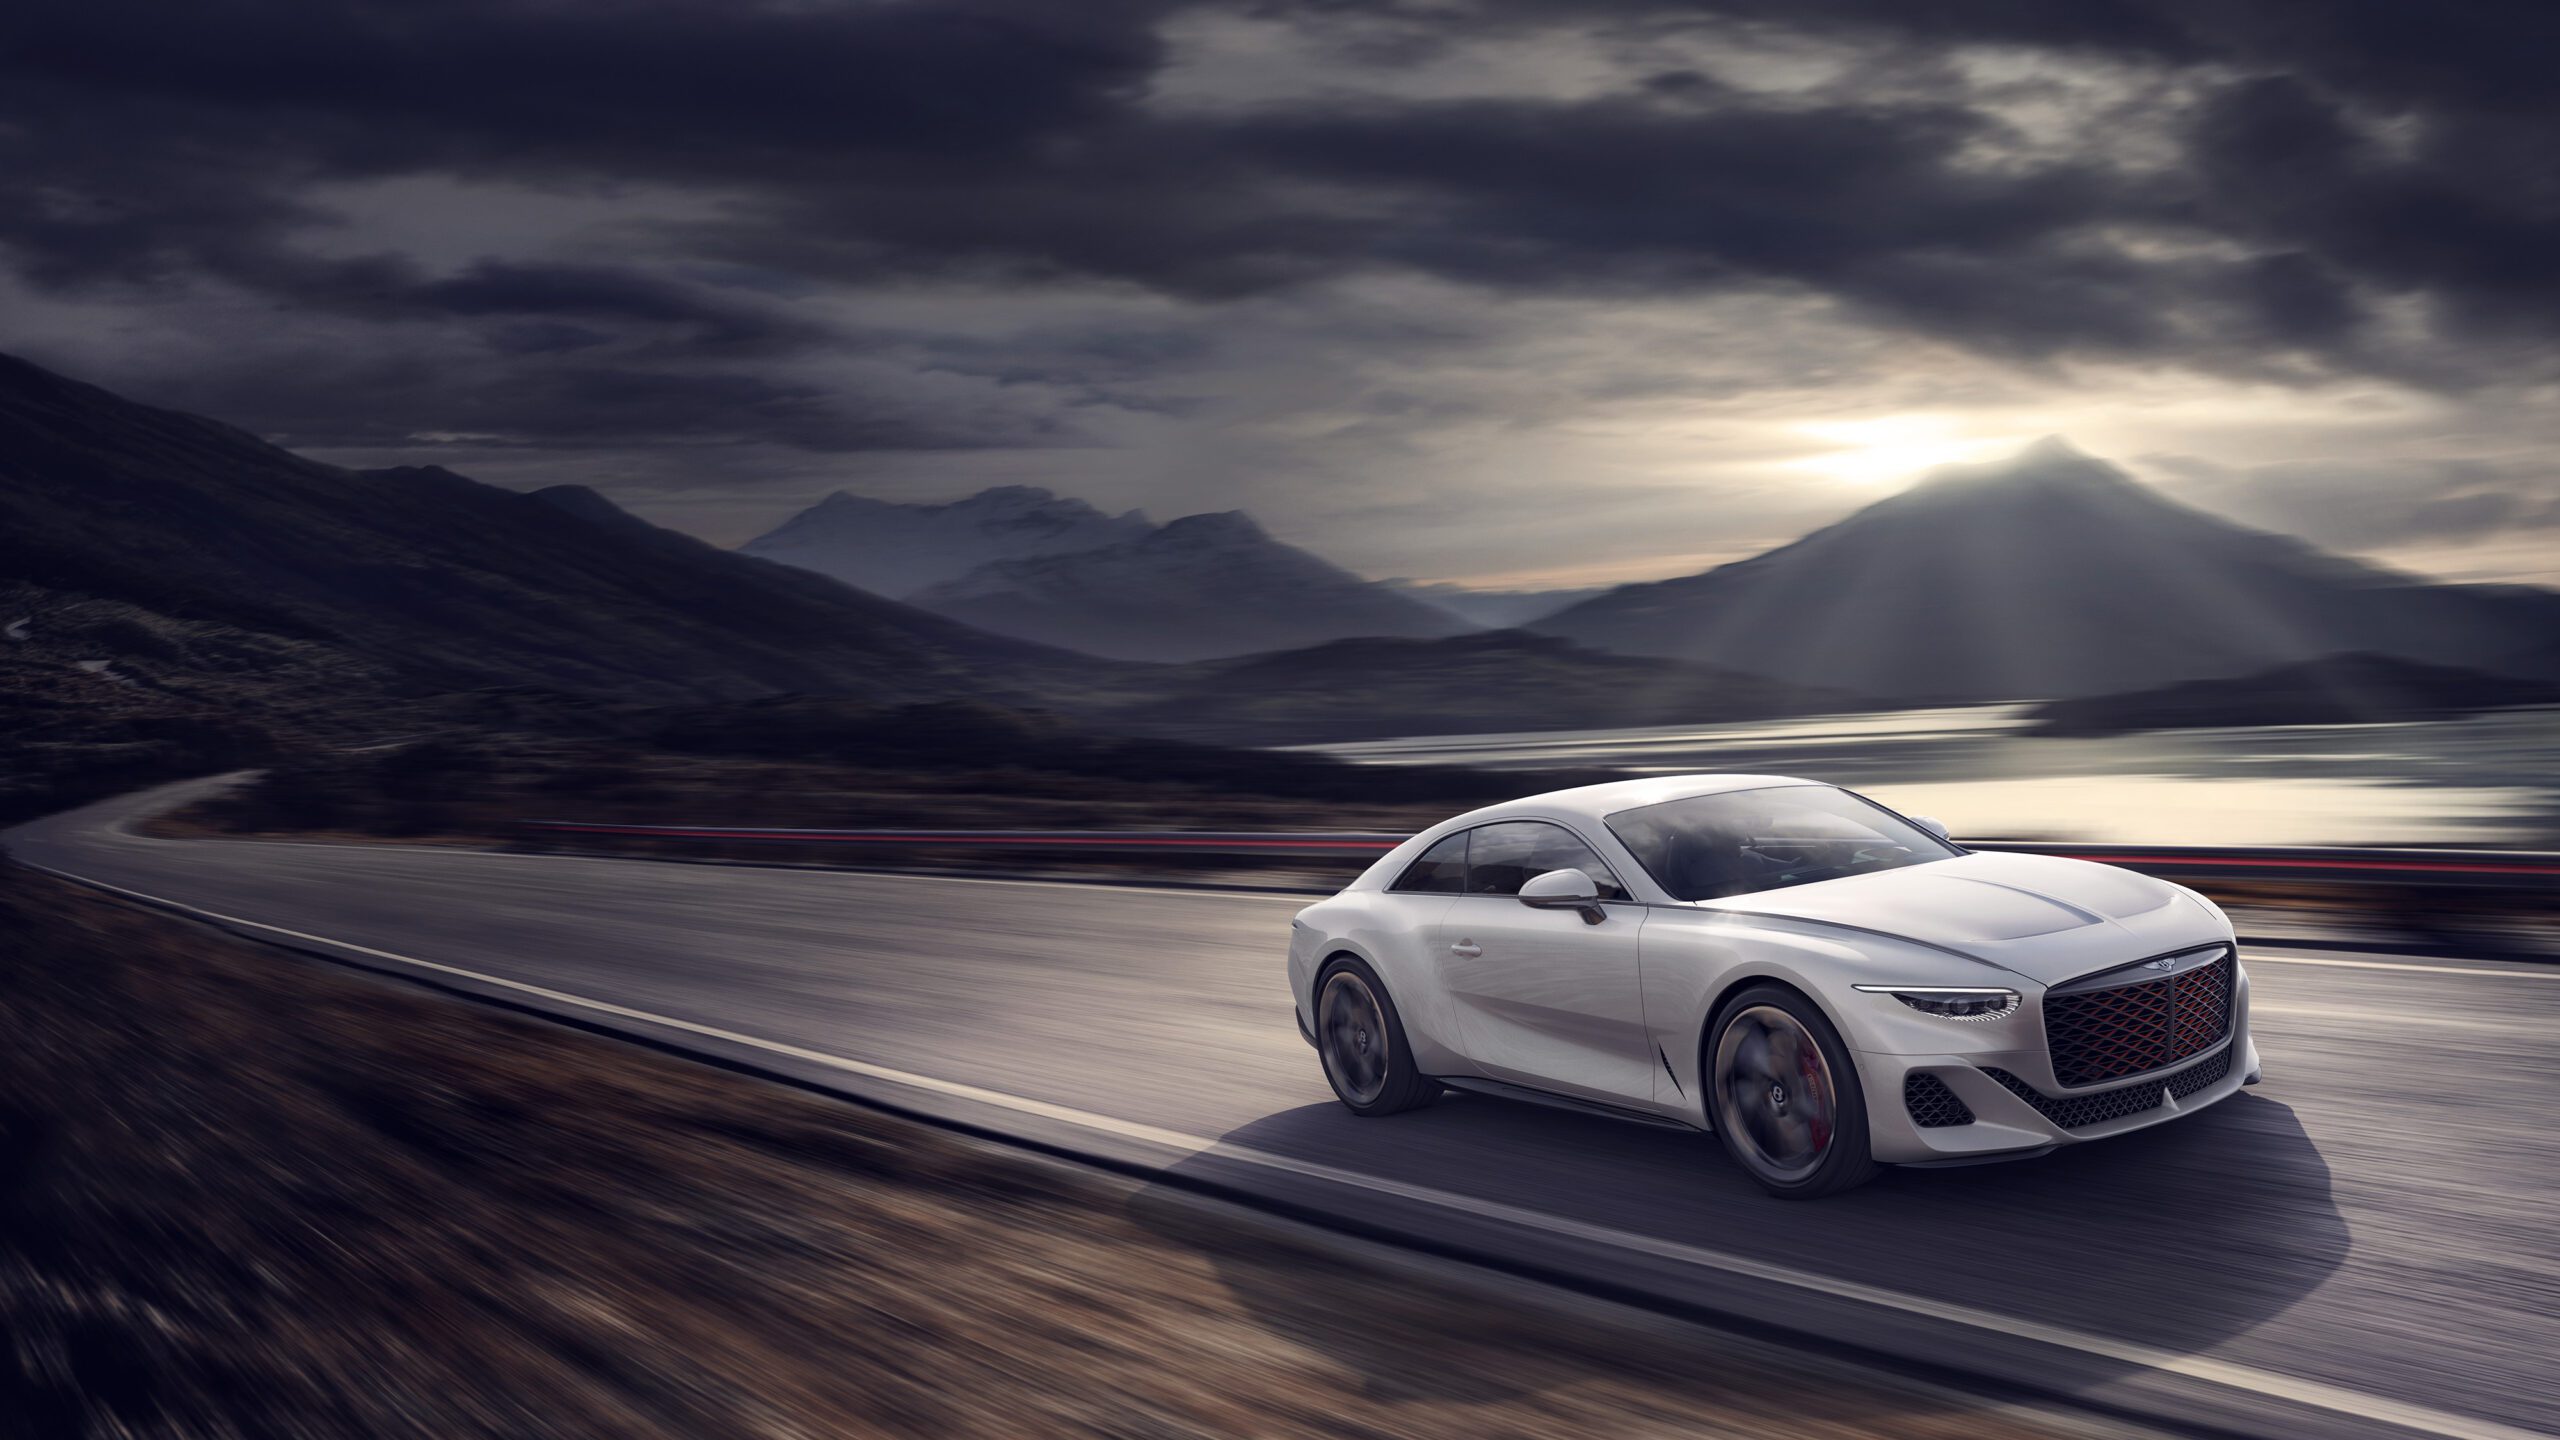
2169	963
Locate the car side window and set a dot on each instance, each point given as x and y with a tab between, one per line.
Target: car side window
1506	856
1440	870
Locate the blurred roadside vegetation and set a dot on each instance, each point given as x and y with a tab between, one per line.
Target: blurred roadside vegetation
802	762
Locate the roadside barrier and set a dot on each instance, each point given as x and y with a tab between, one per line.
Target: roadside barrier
2323	865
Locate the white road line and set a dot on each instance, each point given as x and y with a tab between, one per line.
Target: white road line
2317	1394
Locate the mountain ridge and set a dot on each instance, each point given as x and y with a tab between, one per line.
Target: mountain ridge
897	548
2045	575
1486	682
425	579
1197	587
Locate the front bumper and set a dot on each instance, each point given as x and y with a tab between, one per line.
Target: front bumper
2028	1114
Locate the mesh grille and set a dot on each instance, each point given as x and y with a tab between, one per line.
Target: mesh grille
2203	1073
2074	1112
2100	1035
1932	1105
2204	1006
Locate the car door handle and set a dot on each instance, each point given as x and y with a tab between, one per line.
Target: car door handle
1468	948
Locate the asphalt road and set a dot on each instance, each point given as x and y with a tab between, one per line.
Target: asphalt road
2367	1244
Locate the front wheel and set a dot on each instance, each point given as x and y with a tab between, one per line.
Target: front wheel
1362	1043
1786	1097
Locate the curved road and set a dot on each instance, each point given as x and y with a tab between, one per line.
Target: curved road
2368	1244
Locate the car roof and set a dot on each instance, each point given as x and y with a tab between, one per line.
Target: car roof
1597	802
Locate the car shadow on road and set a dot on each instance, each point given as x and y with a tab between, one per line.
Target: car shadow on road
2178	1237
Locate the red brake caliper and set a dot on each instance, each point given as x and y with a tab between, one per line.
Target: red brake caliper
1820	1120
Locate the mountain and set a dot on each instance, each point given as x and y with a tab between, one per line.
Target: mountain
894	549
2043	576
1201	586
226	562
1492	609
1471	684
2337	690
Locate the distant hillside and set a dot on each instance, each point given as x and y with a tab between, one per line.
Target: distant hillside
424	578
179	591
2048	575
1202	586
1493	609
897	549
2337	690
1472	684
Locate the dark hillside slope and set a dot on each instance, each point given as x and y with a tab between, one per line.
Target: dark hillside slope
428	581
1467	684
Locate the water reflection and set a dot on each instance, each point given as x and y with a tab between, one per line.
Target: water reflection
2490	780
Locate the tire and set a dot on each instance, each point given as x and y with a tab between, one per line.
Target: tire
1360	1040
1783	1092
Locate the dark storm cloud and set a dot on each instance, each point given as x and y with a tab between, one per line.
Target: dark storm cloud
2324	163
146	149
335	402
2368	506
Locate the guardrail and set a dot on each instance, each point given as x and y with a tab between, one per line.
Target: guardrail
2433	869
1343	844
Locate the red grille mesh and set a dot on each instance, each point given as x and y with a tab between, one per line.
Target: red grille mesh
2204	1006
2097	1035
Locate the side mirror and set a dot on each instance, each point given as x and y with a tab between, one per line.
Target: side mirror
1564	890
1933	825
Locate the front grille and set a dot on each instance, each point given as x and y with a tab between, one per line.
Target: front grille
1932	1105
2204	1006
2199	1075
2141	1025
2075	1112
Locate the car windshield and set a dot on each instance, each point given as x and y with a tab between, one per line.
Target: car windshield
1708	847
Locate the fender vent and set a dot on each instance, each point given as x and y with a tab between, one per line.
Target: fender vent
1932	1105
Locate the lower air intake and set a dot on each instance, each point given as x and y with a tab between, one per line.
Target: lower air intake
1932	1105
2074	1112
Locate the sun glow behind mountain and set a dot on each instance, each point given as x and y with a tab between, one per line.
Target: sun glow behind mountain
1896	449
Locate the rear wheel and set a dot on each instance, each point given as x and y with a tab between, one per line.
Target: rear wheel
1786	1097
1362	1043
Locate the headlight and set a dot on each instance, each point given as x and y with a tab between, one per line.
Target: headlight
1952	1002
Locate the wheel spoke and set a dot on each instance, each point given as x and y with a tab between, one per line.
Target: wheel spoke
1775	1092
1354	1031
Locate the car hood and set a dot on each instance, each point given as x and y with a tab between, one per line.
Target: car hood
2043	916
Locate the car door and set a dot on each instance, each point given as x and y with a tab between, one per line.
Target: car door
1408	951
1543	997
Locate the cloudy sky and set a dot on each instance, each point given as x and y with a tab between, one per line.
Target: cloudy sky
1521	291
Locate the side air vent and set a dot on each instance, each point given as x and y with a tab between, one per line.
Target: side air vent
1932	1105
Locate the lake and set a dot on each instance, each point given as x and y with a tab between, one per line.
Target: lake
2490	780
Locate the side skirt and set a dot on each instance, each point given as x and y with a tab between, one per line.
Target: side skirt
1504	1090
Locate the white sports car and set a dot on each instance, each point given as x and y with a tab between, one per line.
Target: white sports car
1826	985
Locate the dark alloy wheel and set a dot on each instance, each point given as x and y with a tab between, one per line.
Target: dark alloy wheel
1785	1094
1362	1043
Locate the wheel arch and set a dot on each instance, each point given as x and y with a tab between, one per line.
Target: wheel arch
1338	949
1734	985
